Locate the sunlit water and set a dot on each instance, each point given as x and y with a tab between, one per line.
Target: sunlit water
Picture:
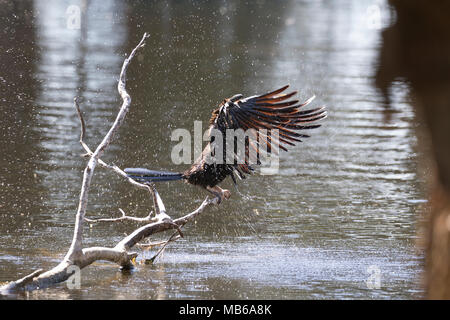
344	202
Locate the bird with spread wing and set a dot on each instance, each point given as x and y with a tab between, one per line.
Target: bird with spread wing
272	121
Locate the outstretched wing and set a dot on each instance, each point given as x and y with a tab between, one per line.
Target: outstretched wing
263	114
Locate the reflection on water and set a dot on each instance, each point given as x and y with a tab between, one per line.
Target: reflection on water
344	200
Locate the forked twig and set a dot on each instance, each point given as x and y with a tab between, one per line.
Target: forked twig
120	253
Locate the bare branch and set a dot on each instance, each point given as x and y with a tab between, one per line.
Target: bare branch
157	202
76	246
148	186
173	237
151	245
152	228
82	128
124	217
120	254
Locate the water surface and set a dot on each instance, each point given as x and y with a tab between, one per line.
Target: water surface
345	200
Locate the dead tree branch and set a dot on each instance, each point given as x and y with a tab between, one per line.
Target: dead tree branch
120	253
124	217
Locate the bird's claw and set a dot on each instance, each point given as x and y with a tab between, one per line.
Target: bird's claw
220	193
224	195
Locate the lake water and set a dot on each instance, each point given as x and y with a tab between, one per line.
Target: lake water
342	210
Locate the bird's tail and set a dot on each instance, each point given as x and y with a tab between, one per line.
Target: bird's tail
143	175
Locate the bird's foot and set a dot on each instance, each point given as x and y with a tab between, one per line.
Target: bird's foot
220	193
226	194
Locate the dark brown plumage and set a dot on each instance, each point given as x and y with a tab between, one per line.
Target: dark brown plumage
271	111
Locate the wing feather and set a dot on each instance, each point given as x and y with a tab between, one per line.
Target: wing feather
270	111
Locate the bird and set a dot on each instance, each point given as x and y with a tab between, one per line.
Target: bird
273	120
